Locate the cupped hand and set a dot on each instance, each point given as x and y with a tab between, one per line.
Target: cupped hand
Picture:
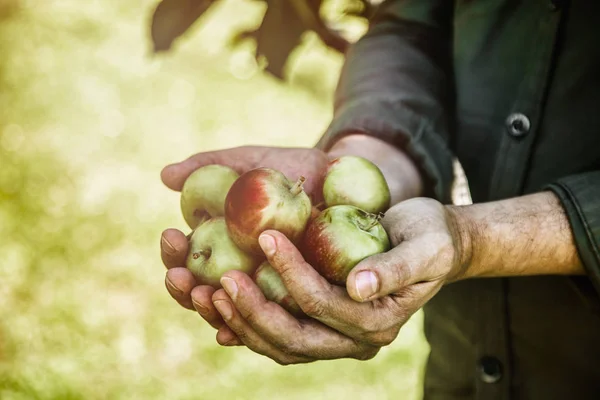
293	162
382	291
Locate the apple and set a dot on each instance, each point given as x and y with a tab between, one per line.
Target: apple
204	191
357	182
212	253
264	199
270	283
339	238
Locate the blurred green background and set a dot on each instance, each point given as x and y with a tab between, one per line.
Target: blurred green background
87	120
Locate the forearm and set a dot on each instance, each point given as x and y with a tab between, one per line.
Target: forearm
527	235
401	174
396	85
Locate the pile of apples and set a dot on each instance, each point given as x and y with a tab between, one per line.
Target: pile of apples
228	212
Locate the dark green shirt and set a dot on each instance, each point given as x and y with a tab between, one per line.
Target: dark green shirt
511	88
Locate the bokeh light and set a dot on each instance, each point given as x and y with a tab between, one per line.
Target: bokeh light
87	120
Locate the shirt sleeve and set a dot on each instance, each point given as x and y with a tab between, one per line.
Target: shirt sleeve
580	196
397	85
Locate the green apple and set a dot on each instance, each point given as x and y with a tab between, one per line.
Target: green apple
356	181
204	191
270	283
212	253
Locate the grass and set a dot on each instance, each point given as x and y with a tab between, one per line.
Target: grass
87	120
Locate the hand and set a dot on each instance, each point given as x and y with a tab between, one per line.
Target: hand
383	291
293	162
401	174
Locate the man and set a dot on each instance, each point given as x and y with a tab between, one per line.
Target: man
512	88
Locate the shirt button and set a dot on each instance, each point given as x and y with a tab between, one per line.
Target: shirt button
517	124
490	369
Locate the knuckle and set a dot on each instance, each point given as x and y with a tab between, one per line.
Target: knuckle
284	361
372	326
252	316
314	307
291	348
241	334
368	354
375	339
379	333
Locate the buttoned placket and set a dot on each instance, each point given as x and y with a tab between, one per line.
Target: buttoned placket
493	369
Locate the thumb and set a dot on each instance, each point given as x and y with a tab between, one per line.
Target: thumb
386	273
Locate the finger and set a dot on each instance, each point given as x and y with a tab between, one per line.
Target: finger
249	336
418	260
201	297
328	303
174	175
300	278
173	248
179	283
305	338
226	337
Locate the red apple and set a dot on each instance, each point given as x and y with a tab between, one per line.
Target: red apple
356	181
270	283
339	238
264	199
204	191
212	253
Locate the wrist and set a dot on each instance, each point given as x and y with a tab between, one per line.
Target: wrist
461	229
401	174
522	236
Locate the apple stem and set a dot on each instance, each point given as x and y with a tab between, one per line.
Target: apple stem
297	188
202	253
373	220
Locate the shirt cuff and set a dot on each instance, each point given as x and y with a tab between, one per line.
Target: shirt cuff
402	128
580	196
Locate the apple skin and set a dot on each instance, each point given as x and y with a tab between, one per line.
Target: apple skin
264	199
270	283
212	253
339	238
204	191
356	181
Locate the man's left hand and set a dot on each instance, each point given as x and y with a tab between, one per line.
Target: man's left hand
382	292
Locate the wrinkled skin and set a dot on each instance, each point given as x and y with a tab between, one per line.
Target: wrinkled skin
308	162
345	323
340	325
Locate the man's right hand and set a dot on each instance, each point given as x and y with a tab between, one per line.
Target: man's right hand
292	162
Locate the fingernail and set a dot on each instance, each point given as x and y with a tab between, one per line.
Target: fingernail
267	243
230	287
224	308
167	247
200	308
171	287
366	284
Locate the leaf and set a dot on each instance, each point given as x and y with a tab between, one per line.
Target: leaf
309	12
172	18
278	35
281	31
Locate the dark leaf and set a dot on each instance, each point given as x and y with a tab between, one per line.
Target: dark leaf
173	18
278	35
309	13
281	30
